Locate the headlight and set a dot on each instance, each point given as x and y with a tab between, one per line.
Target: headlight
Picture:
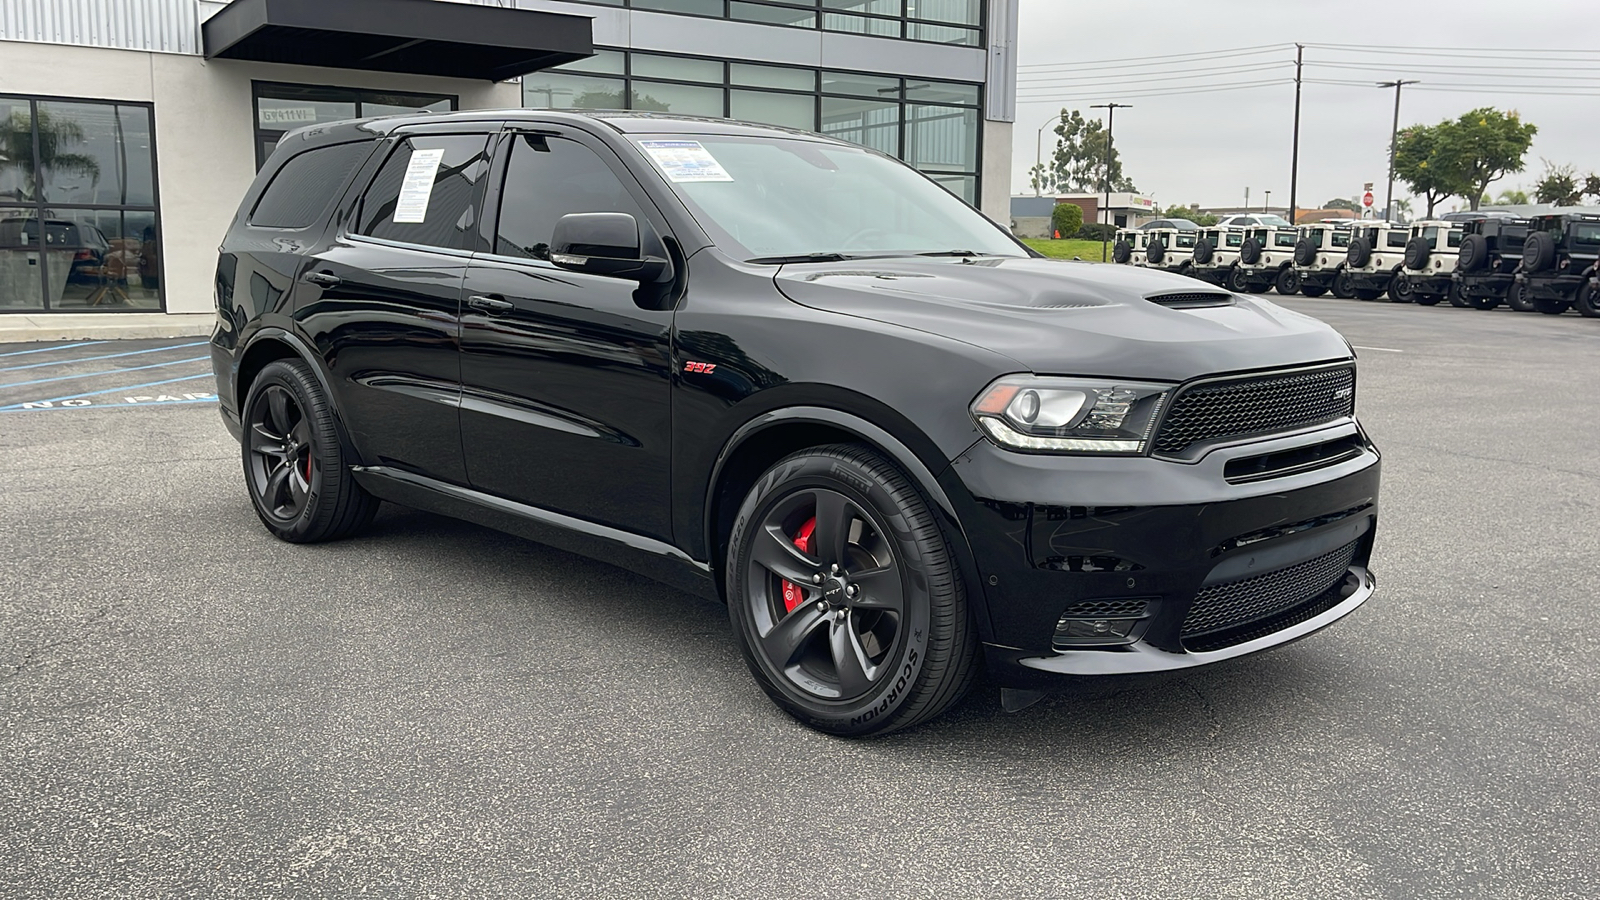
1069	415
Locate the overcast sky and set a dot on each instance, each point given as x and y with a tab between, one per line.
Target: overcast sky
1208	147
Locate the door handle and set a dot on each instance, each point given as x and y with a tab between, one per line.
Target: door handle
494	306
324	279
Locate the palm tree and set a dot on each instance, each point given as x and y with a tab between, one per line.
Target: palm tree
16	150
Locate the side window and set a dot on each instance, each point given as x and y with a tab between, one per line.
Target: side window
1235	239
1453	239
1397	238
550	177
1285	238
305	185
1186	239
427	191
1341	238
1431	235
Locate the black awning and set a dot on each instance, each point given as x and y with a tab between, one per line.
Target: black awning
423	37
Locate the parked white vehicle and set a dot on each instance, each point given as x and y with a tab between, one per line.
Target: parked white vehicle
1251	220
1216	256
1375	256
1430	261
1169	249
1266	260
1319	258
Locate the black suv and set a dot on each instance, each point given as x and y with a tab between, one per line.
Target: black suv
1558	262
797	376
1486	264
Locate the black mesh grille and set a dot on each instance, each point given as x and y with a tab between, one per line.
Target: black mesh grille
1104	609
1259	404
1219	607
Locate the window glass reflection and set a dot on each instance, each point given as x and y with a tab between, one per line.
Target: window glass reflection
548	90
774	15
866	122
287	114
20	286
942	138
678	98
788	110
960	12
88	155
16	149
102	259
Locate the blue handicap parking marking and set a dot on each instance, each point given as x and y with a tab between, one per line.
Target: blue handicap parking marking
93	372
121	397
82	359
48	349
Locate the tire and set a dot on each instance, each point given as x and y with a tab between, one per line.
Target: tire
1234	281
1427	299
901	651
1538	251
1309	291
1203	252
1250	253
1259	288
1484	302
1288	283
1417	251
1121	252
1517	297
1359	252
1550	307
1473	254
295	465
1588	302
1367	294
1401	290
1456	298
1342	286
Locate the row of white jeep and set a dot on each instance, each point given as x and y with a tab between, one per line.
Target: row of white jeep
1546	263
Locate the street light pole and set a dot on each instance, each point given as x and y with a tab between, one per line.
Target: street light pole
1105	167
1038	155
1266	205
1394	137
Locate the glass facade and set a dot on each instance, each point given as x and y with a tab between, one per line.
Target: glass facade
933	125
78	223
936	21
281	108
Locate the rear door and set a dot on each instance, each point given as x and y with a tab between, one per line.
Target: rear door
383	301
566	380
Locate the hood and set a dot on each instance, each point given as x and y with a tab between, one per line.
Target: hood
1059	317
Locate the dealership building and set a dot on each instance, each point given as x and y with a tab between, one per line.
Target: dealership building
129	129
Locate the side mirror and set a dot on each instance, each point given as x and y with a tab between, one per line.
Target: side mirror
603	244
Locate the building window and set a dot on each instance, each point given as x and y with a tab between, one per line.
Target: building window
934	21
78	223
281	108
934	125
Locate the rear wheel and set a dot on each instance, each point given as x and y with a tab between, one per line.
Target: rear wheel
1458	299
1288	282
1483	302
294	461
1343	287
844	596
1235	281
1400	289
1519	298
1311	291
1427	299
1367	294
1551	307
1589	299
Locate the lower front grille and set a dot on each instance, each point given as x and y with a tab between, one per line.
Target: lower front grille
1221	611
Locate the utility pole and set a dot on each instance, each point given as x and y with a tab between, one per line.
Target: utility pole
1038	155
1294	158
1266	205
1111	113
1394	137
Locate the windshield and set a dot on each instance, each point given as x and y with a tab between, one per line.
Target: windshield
778	198
1274	220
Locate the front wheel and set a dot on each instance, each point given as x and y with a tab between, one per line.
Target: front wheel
1401	289
1457	298
1367	293
1311	291
1519	298
844	596
1428	299
1234	281
294	462
1589	299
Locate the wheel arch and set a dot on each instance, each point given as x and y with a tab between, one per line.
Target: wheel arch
270	345
774	434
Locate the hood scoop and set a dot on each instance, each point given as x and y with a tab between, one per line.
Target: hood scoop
1191	299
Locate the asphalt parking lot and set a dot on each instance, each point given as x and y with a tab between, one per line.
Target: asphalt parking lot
190	708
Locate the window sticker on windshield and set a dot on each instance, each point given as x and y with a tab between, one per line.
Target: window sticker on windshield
685	161
417	188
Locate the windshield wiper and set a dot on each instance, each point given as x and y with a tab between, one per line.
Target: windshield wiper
799	258
951	253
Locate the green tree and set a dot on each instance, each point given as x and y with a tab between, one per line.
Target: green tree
1421	162
1079	162
1066	219
1192	213
1343	203
1559	186
1482	146
1510	197
16	150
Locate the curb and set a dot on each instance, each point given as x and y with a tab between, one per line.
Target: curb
103	327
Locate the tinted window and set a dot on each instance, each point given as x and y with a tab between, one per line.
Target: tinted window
546	179
1284	238
1453	239
1586	233
306	184
1235	239
1397	238
443	198
1186	240
1340	238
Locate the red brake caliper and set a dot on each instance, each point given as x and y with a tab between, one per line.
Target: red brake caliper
793	594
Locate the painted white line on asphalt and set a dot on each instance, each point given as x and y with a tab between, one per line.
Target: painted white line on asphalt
1382	349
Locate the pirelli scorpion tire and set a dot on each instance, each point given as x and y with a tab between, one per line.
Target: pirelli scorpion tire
844	596
294	459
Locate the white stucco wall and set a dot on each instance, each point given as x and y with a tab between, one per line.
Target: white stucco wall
205	139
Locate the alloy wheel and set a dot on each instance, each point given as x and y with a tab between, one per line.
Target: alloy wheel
281	460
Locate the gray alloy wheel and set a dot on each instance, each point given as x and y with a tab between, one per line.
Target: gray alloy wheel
844	596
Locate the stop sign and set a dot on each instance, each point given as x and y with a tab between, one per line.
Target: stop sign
1366	199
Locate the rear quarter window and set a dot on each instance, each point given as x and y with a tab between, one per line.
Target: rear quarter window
304	187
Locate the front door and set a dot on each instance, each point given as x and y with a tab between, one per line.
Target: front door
566	380
383	303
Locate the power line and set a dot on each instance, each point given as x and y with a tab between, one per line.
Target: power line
1164	58
1050	96
1467	88
1087	81
1476	52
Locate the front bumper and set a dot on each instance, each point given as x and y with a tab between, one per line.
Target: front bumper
1052	534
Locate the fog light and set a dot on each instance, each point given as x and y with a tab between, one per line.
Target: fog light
1100	623
1094	630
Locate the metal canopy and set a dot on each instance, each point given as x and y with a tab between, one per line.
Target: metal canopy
422	37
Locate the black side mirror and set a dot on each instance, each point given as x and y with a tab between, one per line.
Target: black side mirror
604	243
